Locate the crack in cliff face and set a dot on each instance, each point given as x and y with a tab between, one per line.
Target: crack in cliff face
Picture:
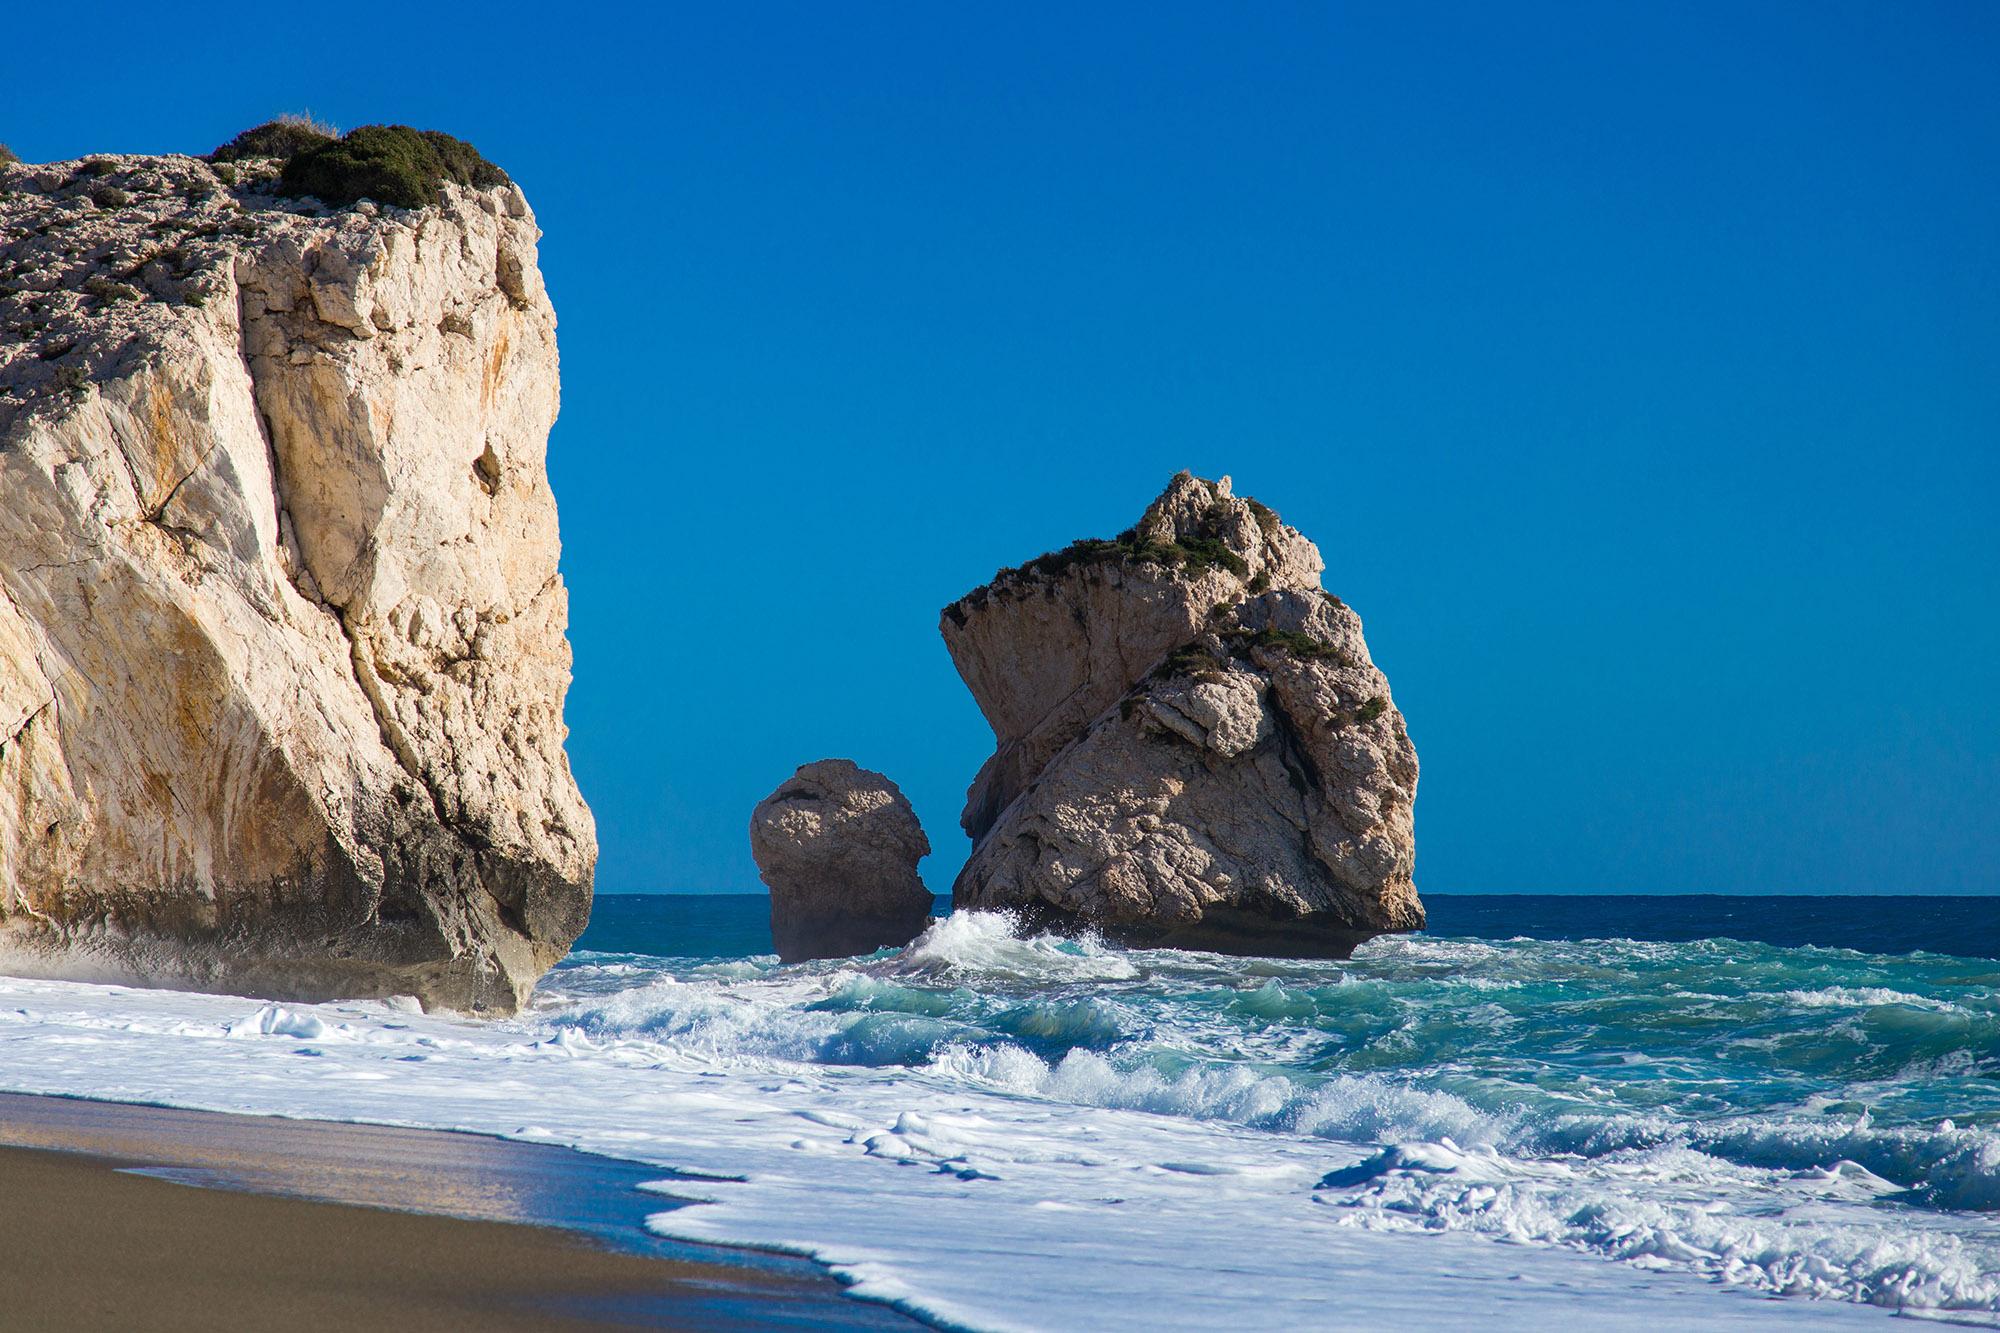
56	564
360	654
41	665
510	880
15	733
157	514
14	899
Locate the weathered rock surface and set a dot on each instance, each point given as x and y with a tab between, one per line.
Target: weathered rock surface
1047	647
838	846
282	653
1195	748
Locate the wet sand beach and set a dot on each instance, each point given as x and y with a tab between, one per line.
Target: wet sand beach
120	1217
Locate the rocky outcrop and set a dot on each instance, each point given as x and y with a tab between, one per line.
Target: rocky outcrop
838	846
282	653
1194	747
1047	647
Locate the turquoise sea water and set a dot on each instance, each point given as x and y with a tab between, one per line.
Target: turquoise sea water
1633	1112
1814	1113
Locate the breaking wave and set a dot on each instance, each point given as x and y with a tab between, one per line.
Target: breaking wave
1796	1121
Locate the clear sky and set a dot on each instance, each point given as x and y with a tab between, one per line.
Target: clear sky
1636	367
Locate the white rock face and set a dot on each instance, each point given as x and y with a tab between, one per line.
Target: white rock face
838	846
282	654
1195	748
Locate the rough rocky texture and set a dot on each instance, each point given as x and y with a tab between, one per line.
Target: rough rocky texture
282	654
1188	755
1047	647
839	845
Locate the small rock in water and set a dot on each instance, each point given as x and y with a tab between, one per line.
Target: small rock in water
839	845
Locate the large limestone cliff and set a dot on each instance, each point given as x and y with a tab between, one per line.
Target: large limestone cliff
282	654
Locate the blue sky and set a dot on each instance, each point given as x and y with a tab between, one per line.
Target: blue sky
1636	367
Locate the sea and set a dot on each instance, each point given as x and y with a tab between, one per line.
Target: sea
1660	1112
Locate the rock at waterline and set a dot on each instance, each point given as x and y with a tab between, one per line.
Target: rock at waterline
838	846
1194	748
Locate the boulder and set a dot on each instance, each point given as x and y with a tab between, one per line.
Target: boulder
838	846
282	636
1194	747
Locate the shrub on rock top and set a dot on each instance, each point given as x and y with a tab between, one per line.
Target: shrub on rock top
390	164
286	137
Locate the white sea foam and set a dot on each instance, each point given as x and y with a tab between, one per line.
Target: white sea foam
273	1021
990	945
1862	997
1061	1151
1772	1231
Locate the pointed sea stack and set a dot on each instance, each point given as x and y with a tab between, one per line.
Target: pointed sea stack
1194	747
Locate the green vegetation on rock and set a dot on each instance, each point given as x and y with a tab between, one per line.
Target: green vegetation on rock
1302	646
107	291
286	137
1191	659
73	381
1198	548
390	164
1194	659
8	156
1267	518
1191	555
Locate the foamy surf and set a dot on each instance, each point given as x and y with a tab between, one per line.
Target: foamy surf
1659	1131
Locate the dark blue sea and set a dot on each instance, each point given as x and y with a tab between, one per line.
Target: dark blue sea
738	925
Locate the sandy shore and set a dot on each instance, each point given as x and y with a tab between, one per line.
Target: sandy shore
308	1225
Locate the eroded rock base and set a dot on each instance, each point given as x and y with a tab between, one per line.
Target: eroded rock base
799	937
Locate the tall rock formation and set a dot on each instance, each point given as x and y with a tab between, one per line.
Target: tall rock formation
1194	747
838	846
282	654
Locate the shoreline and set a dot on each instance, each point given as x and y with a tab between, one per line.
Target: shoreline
967	1206
323	1224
